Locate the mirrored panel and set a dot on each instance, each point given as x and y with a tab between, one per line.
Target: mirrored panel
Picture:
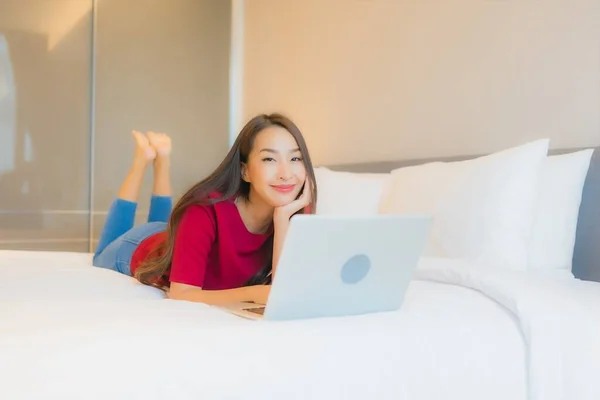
45	98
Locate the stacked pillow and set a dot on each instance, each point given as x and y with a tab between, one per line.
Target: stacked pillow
557	210
516	208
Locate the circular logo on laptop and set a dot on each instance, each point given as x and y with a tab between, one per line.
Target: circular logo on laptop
355	269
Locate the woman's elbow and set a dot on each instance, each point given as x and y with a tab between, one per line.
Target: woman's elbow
180	291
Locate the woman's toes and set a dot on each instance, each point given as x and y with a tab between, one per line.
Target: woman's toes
143	149
160	142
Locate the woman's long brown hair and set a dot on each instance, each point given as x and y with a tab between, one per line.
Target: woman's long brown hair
227	181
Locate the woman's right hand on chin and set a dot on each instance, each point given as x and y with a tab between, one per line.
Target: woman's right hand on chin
284	213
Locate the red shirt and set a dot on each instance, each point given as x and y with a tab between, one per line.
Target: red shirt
213	249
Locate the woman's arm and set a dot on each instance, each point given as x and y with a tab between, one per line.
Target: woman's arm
280	226
281	221
257	294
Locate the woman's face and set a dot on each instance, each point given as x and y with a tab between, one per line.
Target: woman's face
275	168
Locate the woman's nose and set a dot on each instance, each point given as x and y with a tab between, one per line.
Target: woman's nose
284	171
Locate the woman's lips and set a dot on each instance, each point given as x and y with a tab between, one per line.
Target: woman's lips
283	188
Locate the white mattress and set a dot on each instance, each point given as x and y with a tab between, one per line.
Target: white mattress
72	331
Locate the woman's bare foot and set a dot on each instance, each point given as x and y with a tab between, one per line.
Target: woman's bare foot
142	156
161	143
144	152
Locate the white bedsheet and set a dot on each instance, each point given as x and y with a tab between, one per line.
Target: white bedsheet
559	319
71	331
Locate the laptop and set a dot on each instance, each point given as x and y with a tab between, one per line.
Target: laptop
333	266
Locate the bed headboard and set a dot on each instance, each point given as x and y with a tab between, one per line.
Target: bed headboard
586	257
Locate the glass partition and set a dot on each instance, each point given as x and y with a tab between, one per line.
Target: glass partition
76	76
45	71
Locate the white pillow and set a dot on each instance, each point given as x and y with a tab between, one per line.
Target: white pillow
482	208
348	193
557	211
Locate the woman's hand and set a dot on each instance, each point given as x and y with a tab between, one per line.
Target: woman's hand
284	213
260	293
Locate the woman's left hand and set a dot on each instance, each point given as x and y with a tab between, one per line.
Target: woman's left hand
285	212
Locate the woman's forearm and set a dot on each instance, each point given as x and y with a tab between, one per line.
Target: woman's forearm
214	297
281	228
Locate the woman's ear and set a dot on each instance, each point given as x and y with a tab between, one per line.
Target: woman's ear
244	168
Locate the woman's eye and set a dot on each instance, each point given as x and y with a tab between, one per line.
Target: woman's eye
297	159
268	159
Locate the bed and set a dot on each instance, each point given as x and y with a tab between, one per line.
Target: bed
468	329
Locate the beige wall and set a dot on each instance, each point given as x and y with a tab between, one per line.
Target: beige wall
386	79
162	66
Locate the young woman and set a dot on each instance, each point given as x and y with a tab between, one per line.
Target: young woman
221	242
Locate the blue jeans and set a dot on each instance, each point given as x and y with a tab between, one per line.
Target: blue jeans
120	238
